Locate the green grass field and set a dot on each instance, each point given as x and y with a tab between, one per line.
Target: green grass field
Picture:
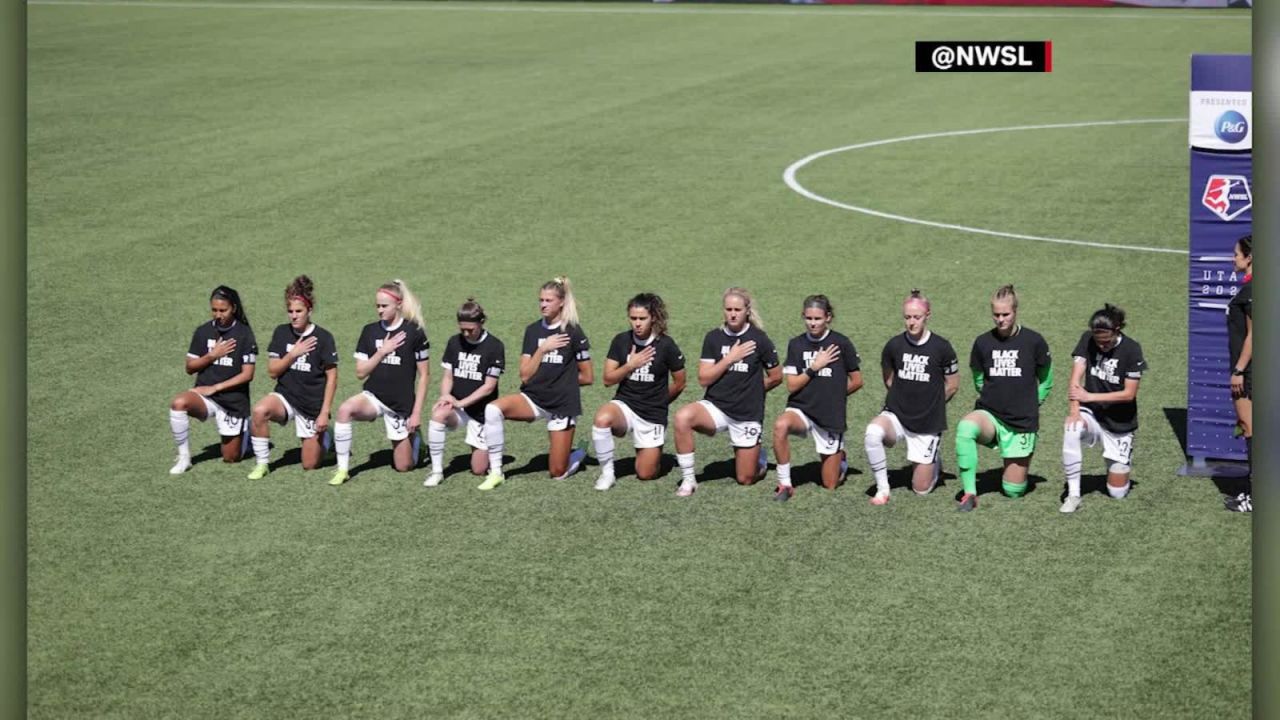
481	149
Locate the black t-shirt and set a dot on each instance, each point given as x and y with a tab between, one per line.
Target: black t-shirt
303	383
1106	372
645	389
393	379
739	393
234	400
472	363
1009	390
554	386
918	393
824	398
1240	307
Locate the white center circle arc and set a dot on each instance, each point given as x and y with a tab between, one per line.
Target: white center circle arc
789	177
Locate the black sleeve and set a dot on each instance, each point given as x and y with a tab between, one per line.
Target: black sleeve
328	349
279	346
581	346
675	358
886	358
849	353
365	347
198	347
618	349
1082	347
248	355
975	358
530	341
950	363
709	349
768	353
1042	352
497	361
795	359
422	348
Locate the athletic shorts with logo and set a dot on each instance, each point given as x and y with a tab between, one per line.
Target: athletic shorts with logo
555	423
644	434
397	425
922	448
742	433
1012	444
1116	448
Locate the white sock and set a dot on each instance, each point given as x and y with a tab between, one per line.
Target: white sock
685	461
602	439
1071	461
1118	492
342	444
494	435
435	445
180	424
784	474
874	444
262	449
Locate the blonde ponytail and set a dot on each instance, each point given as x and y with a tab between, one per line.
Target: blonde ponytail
753	313
410	306
569	310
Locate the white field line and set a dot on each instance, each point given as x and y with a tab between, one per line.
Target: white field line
789	177
656	10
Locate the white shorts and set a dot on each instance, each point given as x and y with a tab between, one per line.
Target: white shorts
227	426
397	425
555	423
824	441
742	433
1116	448
922	448
304	426
475	430
644	434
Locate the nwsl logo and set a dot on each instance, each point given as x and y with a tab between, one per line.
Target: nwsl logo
1227	196
1231	127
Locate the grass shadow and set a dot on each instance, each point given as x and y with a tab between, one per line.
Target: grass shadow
989	483
901	478
1177	418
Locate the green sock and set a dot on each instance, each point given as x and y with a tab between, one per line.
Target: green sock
967	455
1013	490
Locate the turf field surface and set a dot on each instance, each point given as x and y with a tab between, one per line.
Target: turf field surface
479	149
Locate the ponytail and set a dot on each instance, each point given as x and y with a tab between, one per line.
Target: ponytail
1006	294
470	311
1109	317
569	310
410	306
753	313
222	292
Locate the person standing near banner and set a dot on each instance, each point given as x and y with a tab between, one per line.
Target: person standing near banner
1240	347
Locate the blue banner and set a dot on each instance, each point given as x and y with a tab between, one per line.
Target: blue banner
1221	202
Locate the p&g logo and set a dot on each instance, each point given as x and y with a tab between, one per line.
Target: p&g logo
1231	127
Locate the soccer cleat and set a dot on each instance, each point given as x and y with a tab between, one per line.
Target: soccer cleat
604	482
339	477
491	481
259	471
686	488
1241	503
1070	505
968	502
783	493
880	498
844	468
181	465
433	479
576	456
